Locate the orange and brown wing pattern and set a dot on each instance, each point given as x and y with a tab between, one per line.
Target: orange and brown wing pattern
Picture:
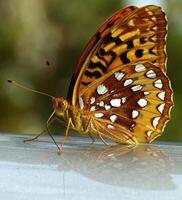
137	36
131	104
111	21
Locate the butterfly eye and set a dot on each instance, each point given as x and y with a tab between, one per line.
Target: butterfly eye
61	104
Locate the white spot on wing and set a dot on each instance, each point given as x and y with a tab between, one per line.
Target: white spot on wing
110	126
161	108
81	103
151	74
123	99
99	115
149	133
161	95
132	126
115	102
118	75
92	108
155	121
107	107
136	88
92	100
146	93
101	104
135	114
102	89
142	102
140	68
158	84
128	82
113	118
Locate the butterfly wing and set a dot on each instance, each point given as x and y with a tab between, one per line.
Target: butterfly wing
131	104
111	21
138	35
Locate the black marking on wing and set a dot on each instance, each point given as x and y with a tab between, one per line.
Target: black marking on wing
124	58
101	57
71	87
110	24
154	61
142	40
111	53
85	83
95	74
151	51
108	39
99	65
102	52
139	53
130	44
97	36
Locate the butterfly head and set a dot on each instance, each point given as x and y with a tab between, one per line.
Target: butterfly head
60	105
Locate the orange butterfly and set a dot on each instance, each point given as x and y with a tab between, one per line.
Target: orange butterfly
120	89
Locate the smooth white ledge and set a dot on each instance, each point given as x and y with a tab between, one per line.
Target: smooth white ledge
88	171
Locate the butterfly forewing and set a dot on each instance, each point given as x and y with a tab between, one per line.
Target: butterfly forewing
137	36
93	42
131	104
102	30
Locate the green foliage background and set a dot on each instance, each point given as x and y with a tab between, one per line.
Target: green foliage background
32	32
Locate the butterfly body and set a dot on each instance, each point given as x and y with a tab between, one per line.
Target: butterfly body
78	119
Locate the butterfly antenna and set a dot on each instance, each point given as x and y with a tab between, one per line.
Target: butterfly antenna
28	89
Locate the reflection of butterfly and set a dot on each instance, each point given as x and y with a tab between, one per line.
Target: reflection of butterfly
120	89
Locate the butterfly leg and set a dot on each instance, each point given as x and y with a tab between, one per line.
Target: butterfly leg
51	119
100	134
87	131
91	137
66	133
37	136
48	123
58	147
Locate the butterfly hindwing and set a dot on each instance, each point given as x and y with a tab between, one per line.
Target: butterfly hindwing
131	104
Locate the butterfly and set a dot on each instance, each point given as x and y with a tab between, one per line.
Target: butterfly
120	89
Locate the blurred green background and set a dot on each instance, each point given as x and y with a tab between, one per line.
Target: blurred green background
32	32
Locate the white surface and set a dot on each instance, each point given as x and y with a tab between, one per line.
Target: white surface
88	171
